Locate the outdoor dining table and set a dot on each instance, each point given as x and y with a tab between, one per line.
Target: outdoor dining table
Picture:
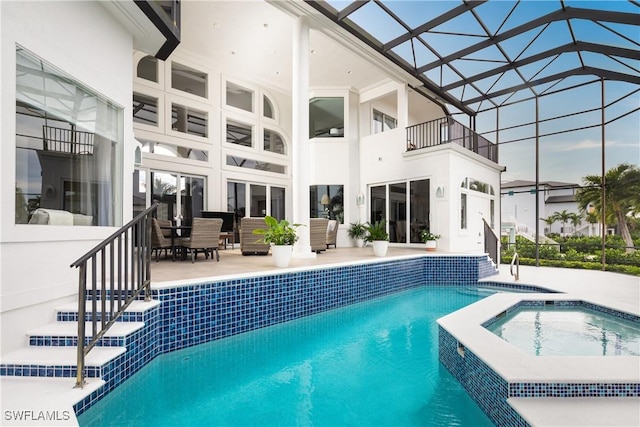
174	234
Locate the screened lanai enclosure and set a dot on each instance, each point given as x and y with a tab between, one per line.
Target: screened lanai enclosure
554	84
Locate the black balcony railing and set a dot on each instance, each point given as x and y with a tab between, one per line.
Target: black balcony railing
446	130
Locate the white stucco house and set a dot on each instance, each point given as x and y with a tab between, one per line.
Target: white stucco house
518	203
262	108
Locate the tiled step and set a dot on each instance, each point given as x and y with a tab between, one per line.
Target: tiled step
56	361
61	334
134	313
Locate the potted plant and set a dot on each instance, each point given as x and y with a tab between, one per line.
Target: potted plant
281	235
429	239
358	231
378	236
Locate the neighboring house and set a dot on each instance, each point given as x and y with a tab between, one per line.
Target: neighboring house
518	204
263	108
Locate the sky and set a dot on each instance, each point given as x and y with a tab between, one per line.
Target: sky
566	157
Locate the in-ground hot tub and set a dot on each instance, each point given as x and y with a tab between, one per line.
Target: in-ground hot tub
498	374
567	328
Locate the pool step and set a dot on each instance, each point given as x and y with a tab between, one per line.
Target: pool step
134	313
52	351
61	334
56	361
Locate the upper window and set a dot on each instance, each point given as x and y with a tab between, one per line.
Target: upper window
239	97
273	142
68	149
255	164
267	108
239	133
145	109
148	68
326	117
171	150
383	122
479	186
188	120
188	80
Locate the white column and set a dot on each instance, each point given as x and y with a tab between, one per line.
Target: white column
300	137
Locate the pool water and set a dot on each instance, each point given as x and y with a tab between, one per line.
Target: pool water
568	331
370	364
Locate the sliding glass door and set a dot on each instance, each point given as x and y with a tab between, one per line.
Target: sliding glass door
150	186
393	201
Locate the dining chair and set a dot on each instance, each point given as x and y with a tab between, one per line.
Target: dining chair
205	237
158	241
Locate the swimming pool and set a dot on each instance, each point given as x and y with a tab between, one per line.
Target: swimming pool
567	330
372	363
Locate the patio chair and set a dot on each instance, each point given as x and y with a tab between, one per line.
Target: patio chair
251	244
158	241
166	232
205	237
318	234
332	233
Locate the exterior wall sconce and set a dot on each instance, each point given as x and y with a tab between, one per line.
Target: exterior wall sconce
360	199
440	192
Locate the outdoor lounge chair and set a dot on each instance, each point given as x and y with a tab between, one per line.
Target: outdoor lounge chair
318	234
205	237
158	241
332	233
252	244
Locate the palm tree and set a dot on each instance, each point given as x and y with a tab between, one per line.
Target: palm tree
563	217
550	220
576	220
622	186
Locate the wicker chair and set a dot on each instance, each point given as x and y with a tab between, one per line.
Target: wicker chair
318	234
251	244
205	237
165	223
158	241
332	233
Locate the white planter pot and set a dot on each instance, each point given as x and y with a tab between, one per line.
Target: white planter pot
380	247
431	245
281	255
359	243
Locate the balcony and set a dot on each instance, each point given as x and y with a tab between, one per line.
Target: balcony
445	131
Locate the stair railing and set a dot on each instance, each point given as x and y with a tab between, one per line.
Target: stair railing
490	242
515	261
119	270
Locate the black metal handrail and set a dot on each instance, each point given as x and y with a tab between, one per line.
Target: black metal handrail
446	130
491	242
126	256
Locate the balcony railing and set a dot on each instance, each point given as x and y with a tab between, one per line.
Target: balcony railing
445	131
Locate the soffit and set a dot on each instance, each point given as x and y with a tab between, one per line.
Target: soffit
253	40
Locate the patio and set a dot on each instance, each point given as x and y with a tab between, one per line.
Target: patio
233	263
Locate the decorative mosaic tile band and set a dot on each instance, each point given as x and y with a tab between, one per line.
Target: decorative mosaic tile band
574	390
516	287
53	341
72	316
61	371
